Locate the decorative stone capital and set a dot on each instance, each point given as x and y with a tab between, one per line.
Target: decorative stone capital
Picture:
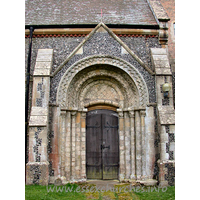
143	113
83	114
120	113
132	114
73	113
63	112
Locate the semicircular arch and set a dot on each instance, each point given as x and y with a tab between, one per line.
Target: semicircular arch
101	60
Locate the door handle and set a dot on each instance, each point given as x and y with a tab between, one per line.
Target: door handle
103	147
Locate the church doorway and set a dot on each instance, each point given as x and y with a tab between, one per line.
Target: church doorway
102	144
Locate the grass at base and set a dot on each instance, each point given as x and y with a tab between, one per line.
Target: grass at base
51	192
167	193
76	192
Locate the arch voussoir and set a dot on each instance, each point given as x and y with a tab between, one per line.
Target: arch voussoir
128	69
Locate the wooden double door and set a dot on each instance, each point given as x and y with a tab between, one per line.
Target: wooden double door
102	144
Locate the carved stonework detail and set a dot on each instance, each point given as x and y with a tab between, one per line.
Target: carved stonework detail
127	87
83	114
102	91
73	113
143	113
131	114
102	85
121	114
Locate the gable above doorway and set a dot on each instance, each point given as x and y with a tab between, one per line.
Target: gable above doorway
102	28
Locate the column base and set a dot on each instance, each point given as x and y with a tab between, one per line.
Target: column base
149	182
132	178
121	177
163	183
63	181
37	173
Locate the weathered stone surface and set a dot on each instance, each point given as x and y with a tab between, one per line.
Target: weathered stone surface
41	72
38	121
166	114
160	57
172	146
123	51
159	10
136	81
39	111
80	51
44	57
158	51
43	62
45	51
161	64
160	61
77	125
37	173
163	71
43	65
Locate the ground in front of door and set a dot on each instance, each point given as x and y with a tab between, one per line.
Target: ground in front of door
109	189
99	189
113	189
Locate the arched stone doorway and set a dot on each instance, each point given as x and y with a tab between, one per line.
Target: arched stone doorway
102	81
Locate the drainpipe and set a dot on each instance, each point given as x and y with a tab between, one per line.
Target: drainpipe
27	90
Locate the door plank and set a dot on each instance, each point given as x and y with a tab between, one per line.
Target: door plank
93	147
102	145
110	154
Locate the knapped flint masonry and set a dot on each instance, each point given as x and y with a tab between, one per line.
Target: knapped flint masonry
98	109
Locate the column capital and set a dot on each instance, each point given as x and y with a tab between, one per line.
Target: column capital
131	113
143	113
83	114
73	113
121	113
62	112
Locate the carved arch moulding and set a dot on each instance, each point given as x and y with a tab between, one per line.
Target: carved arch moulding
101	71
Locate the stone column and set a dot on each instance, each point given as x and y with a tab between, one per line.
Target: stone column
138	146
73	145
142	116
78	146
37	167
83	144
62	143
127	146
132	125
150	134
121	146
54	156
68	146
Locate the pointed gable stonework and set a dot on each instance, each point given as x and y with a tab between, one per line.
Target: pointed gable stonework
99	45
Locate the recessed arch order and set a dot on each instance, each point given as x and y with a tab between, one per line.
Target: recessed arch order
122	74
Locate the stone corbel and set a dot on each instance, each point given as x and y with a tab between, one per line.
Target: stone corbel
162	19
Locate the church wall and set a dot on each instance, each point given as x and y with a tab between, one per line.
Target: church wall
97	44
